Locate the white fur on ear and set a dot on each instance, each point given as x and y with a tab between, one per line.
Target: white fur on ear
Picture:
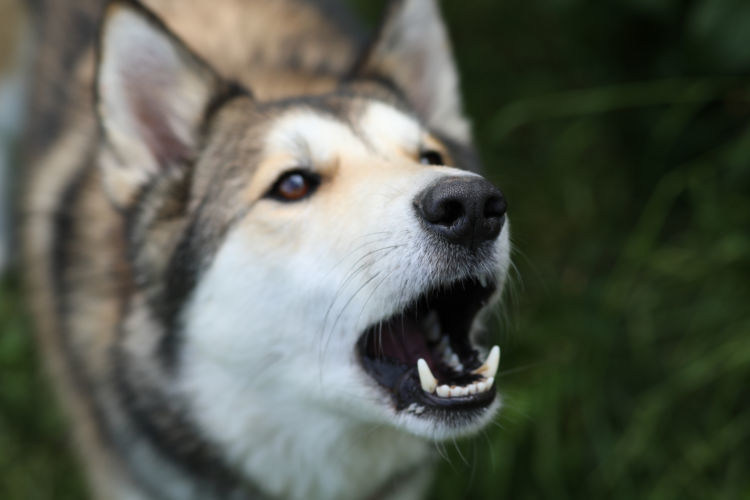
413	50
152	92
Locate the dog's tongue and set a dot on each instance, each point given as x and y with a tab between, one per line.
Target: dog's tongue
403	340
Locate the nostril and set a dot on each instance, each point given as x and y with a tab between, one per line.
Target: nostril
452	210
496	206
443	212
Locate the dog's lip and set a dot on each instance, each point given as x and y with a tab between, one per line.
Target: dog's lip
391	349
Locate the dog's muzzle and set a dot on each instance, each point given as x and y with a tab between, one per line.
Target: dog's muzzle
423	355
464	210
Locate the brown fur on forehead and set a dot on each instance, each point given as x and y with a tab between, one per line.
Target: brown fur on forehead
294	48
232	149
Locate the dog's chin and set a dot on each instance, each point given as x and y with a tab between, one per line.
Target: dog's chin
439	384
449	426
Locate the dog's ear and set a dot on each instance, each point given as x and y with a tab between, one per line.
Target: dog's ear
152	95
412	50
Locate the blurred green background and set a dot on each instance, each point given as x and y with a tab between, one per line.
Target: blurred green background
620	132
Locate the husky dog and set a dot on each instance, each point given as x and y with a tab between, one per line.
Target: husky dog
257	249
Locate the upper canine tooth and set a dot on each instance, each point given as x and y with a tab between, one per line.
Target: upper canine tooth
489	368
426	378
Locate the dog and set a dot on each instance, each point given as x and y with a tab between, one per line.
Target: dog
257	248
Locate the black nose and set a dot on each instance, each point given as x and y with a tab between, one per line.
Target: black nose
464	210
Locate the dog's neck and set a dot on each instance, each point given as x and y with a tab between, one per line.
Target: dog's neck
322	454
299	447
329	457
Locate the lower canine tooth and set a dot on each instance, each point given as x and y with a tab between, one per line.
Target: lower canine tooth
489	368
426	378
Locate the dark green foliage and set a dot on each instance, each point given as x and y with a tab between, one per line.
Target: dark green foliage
35	462
620	133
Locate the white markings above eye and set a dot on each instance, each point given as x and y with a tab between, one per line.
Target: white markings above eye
315	139
389	130
312	139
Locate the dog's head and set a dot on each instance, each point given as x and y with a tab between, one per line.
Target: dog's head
330	253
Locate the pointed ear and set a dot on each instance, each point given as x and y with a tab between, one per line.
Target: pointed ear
412	50
152	93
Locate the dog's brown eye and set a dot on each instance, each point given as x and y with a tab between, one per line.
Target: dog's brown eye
431	157
294	185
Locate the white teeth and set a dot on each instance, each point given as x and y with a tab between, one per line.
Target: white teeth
426	378
489	368
443	391
431	325
430	384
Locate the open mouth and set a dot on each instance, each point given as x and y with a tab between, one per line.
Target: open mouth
423	354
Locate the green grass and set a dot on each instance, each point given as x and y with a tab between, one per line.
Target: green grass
620	132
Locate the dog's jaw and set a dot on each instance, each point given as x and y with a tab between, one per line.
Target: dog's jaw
270	386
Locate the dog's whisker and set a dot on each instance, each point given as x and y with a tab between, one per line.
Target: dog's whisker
351	274
325	333
440	447
371	294
343	309
383	235
458	451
